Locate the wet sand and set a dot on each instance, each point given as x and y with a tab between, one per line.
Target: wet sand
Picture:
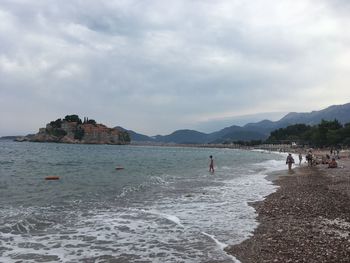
306	220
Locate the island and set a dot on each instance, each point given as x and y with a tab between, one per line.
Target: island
72	129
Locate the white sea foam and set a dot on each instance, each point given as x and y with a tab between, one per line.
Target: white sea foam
142	232
221	245
171	218
260	150
153	180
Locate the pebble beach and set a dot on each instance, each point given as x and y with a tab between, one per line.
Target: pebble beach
306	220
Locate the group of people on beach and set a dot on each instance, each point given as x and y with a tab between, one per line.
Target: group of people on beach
312	160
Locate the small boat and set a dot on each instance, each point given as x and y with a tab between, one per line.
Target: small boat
119	168
52	178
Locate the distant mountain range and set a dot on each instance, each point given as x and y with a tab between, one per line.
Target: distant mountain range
251	131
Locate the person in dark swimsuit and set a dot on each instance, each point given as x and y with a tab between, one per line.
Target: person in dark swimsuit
211	164
289	161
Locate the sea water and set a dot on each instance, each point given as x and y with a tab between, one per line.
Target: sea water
164	206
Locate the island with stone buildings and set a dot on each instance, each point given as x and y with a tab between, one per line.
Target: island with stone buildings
72	129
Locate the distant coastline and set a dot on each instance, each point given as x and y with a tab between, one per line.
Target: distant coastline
11	137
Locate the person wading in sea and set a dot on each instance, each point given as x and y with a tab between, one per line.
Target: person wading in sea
300	158
290	161
309	158
211	164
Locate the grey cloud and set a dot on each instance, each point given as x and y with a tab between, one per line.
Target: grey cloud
156	66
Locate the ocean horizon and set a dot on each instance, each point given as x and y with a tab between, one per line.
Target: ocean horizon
163	206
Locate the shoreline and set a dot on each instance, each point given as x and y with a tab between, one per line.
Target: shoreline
272	148
307	219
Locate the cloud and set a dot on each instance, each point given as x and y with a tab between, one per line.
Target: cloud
157	66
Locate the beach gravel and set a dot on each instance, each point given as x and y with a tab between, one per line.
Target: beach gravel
306	220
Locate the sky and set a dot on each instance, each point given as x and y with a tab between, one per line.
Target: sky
158	66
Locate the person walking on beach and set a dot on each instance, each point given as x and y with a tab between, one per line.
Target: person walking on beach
309	158
290	161
300	158
211	164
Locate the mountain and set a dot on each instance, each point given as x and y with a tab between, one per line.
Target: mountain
134	136
235	133
239	120
242	135
339	112
251	131
195	137
264	127
183	136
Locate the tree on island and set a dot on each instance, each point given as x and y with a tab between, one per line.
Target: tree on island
86	120
124	136
73	118
91	122
56	124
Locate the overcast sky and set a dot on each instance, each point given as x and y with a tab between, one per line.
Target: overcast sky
157	66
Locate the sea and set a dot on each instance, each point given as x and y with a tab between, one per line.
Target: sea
163	206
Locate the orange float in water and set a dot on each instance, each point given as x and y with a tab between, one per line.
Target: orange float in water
119	168
52	178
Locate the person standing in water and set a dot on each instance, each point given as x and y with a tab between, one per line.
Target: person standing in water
290	161
309	158
211	164
300	158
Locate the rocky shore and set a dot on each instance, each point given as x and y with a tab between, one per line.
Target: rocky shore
73	130
306	220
